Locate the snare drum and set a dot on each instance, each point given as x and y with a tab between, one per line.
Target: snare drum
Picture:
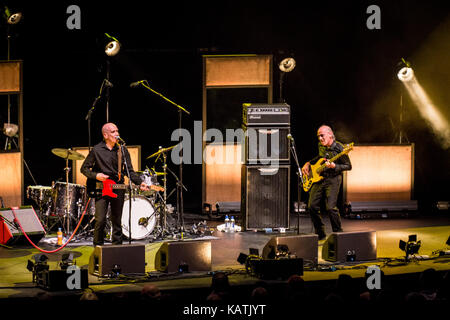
76	198
143	217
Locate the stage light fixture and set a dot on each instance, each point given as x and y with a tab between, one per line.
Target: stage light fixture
112	48
427	109
66	261
287	64
411	247
12	18
15	18
10	129
405	74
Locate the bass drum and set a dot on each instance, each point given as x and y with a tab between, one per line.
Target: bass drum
143	217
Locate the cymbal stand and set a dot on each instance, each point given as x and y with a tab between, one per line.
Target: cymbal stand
67	217
163	219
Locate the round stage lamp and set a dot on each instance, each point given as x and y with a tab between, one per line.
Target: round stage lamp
405	74
112	48
10	129
287	65
14	18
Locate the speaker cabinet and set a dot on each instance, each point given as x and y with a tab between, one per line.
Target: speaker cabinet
302	246
10	232
350	246
185	255
57	280
265	197
128	258
265	144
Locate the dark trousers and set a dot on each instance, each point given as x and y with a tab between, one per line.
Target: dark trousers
327	189
101	210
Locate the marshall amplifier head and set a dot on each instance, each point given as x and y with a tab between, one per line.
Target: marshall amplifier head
278	114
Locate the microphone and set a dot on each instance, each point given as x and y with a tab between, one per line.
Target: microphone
136	84
120	139
108	84
290	137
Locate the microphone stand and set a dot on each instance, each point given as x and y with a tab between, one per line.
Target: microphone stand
180	206
130	190
89	114
299	180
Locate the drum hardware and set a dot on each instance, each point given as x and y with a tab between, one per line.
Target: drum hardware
163	213
67	154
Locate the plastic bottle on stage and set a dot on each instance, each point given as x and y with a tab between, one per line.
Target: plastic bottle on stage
60	237
232	226
227	224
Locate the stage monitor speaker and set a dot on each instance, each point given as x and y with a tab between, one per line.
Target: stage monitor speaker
265	144
265	197
184	256
350	246
302	246
57	280
10	232
125	259
272	269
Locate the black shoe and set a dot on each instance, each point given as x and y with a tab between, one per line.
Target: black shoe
322	237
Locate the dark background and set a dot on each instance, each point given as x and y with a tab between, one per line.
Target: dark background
345	74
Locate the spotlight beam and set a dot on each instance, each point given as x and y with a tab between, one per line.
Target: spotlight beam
428	111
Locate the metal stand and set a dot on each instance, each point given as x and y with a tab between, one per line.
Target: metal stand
400	134
180	205
130	188
299	180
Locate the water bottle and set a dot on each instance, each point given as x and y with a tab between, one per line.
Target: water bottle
232	227
227	224
60	237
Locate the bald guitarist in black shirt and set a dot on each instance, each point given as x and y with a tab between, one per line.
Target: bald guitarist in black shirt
328	187
106	163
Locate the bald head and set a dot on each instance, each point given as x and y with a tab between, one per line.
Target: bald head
325	135
110	132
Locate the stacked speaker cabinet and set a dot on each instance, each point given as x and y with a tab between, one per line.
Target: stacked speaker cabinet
266	171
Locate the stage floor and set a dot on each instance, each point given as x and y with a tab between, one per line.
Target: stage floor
432	230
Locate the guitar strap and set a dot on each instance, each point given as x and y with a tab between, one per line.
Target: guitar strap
119	156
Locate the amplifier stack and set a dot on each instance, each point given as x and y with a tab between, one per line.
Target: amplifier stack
266	171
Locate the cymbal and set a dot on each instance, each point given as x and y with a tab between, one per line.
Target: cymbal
162	150
67	154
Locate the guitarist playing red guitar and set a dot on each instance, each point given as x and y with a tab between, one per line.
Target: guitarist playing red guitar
328	186
108	162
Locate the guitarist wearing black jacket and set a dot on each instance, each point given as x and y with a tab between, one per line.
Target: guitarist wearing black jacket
105	161
327	188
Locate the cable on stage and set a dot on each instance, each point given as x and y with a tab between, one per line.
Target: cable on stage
65	244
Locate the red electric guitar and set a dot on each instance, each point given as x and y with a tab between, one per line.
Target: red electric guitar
109	185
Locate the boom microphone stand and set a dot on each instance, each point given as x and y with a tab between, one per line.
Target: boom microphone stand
180	208
89	114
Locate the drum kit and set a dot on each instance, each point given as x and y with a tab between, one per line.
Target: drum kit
63	202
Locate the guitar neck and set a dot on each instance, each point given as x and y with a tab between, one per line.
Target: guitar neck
322	166
119	186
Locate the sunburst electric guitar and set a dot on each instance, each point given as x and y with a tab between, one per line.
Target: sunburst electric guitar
317	168
109	185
